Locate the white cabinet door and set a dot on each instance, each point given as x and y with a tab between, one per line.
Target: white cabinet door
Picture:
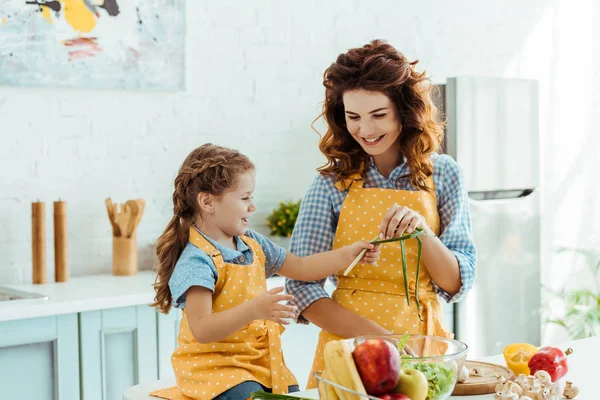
118	350
39	358
168	328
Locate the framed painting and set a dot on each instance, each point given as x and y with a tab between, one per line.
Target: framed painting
97	44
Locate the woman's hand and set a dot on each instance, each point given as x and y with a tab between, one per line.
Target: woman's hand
371	255
399	219
266	306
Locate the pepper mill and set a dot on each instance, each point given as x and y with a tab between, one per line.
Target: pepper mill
61	266
38	242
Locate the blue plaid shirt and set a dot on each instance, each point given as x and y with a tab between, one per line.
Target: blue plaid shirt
317	222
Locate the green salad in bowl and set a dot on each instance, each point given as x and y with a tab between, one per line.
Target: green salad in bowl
391	367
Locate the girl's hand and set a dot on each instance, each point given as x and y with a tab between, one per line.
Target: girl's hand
399	220
266	306
372	254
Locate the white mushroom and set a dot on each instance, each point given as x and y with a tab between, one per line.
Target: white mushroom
463	375
534	391
512	396
570	391
550	394
522	381
508	388
543	377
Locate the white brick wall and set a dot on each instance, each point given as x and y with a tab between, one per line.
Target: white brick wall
254	71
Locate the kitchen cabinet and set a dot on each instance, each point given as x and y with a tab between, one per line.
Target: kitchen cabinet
39	358
118	350
168	329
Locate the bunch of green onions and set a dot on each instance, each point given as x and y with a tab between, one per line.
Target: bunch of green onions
415	234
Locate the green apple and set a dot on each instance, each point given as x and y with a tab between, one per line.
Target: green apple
412	383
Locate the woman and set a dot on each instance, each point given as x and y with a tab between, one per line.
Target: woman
383	177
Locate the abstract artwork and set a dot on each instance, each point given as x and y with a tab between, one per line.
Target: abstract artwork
98	44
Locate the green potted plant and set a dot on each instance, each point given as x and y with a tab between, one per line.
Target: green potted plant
281	221
581	307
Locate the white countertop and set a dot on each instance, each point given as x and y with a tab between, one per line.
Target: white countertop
87	293
583	365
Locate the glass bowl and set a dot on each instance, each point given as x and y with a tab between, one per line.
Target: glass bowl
438	358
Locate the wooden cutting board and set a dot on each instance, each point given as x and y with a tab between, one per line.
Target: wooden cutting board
485	384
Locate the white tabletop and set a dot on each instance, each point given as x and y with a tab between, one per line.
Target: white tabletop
583	366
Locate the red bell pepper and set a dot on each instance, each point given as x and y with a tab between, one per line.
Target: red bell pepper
551	360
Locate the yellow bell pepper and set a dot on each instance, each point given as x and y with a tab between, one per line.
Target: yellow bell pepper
517	357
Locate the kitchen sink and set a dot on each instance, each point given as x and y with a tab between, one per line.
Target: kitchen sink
8	294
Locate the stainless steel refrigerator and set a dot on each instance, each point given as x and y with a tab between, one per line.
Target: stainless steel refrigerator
492	131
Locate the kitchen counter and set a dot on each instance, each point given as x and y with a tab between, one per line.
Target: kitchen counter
87	293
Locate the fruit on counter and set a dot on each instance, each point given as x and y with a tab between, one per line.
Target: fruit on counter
412	383
517	356
329	390
378	364
552	360
440	378
341	369
395	396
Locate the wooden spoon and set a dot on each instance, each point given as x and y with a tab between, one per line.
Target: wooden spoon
122	219
141	206
110	208
134	207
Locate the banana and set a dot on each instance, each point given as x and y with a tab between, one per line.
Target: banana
326	391
334	371
342	370
347	354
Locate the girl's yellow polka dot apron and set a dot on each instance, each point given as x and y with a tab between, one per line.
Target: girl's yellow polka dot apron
203	371
377	292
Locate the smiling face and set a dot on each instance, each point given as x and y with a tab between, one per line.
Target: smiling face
233	208
372	121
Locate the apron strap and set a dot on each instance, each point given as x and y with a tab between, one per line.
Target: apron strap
200	241
279	381
355	181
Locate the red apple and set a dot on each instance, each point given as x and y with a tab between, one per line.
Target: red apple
395	396
378	364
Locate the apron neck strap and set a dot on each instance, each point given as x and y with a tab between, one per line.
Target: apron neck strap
198	240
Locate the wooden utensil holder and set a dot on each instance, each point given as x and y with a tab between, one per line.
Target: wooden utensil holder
125	256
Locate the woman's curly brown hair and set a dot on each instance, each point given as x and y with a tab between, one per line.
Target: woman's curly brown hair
379	67
208	169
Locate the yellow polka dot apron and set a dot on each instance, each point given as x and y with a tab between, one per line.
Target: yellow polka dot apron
377	292
203	371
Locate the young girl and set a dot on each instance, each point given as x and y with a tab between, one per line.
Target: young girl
215	269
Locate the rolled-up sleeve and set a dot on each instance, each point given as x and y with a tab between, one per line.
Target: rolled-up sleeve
274	254
193	268
455	226
313	233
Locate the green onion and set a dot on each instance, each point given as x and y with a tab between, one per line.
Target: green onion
262	395
405	271
419	250
417	232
